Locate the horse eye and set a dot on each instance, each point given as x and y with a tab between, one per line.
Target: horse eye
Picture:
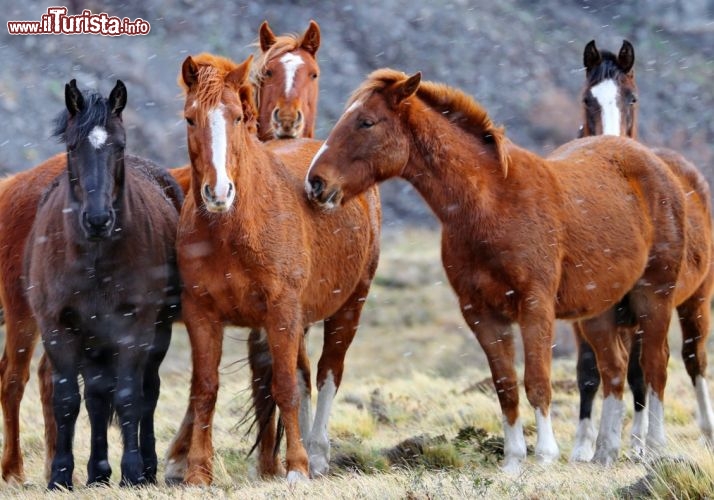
190	122
633	99
269	73
237	120
366	123
314	76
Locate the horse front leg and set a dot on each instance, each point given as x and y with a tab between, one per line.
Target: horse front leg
20	339
537	323
205	331
99	379
495	335
285	330
611	352
64	350
44	375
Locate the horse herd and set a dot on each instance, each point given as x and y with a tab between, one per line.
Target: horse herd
269	229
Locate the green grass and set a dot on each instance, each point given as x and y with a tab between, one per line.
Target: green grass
415	380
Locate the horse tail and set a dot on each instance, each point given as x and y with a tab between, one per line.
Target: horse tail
261	367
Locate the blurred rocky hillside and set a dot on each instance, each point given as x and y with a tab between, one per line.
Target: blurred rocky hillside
522	60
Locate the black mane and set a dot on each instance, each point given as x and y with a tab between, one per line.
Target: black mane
94	112
608	68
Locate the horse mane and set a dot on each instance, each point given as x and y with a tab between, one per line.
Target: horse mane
94	112
283	44
453	104
607	69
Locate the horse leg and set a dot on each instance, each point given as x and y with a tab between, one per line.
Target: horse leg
339	332
64	351
611	353
636	381
98	386
205	331
44	374
588	384
694	316
495	335
20	339
128	403
261	369
537	332
177	453
151	389
285	331
653	308
304	386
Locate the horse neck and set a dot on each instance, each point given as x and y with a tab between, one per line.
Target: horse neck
454	173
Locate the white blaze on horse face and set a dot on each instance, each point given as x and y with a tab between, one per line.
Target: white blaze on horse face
291	63
606	94
97	137
219	144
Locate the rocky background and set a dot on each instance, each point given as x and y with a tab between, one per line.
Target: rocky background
522	60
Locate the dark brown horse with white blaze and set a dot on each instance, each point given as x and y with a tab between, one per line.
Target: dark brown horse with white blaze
253	252
610	107
524	239
102	281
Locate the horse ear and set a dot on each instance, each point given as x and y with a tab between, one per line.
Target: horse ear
405	88
239	76
266	36
73	98
189	72
591	56
311	38
626	57
117	98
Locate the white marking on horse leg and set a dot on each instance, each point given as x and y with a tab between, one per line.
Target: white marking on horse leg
704	409
656	438
638	434
584	446
546	449
291	63
219	148
323	148
606	94
97	137
295	477
514	446
609	437
318	444
305	413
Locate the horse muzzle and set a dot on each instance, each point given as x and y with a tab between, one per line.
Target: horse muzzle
98	226
319	193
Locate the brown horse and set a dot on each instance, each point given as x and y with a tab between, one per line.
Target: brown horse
19	197
253	252
105	232
524	239
610	107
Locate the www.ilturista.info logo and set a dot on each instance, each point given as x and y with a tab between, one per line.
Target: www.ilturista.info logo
57	22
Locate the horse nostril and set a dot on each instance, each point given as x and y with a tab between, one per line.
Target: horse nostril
207	192
230	188
317	185
299	116
276	116
98	221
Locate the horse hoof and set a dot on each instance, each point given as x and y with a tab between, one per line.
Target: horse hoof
318	466
511	466
582	454
295	477
604	458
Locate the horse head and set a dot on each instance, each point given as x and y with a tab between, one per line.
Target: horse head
92	129
610	94
286	76
371	123
220	116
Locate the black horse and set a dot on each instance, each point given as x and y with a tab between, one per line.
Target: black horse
102	281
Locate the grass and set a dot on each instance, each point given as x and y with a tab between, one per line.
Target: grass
416	416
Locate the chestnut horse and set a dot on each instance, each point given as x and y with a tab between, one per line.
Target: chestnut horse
610	107
285	78
524	239
105	232
252	252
